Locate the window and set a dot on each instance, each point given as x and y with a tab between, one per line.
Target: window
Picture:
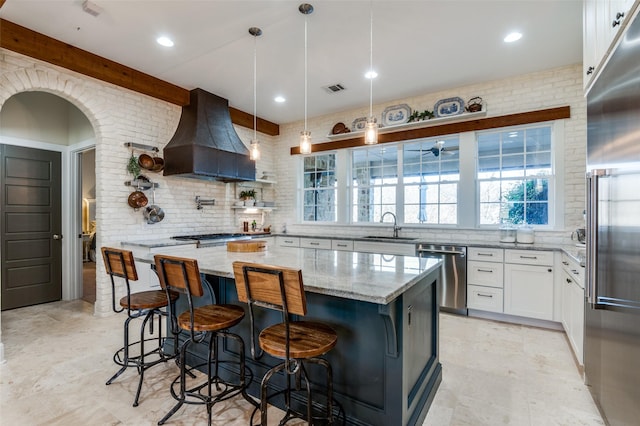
431	172
319	188
374	182
515	174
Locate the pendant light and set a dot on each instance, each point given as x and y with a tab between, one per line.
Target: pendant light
371	128
305	136
254	150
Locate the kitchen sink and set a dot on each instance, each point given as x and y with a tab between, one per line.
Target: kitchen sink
376	237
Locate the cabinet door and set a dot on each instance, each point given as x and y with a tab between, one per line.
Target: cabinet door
567	303
577	320
589	43
528	291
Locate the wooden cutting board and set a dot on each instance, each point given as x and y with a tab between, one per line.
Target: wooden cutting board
247	245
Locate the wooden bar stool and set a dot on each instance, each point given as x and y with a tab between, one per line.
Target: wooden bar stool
146	305
204	324
295	342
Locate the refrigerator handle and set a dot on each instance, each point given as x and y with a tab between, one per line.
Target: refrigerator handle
593	178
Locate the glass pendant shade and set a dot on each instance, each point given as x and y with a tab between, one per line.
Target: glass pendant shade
371	132
254	150
305	142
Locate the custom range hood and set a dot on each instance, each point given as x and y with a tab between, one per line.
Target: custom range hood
206	145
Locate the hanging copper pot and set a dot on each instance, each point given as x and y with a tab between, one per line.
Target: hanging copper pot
137	199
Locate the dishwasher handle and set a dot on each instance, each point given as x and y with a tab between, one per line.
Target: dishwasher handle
421	251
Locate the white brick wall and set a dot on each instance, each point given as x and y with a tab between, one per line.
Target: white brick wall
119	115
546	89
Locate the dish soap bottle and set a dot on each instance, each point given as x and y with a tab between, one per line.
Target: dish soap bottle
253	226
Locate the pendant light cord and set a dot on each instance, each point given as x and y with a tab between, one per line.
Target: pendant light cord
371	59
255	84
305	72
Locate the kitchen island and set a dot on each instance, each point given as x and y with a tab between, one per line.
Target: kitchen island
386	366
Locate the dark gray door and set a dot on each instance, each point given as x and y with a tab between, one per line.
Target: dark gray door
31	248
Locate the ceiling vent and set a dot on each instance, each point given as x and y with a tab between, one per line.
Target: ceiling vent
91	8
334	88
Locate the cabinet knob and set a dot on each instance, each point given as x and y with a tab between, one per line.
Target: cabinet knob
590	70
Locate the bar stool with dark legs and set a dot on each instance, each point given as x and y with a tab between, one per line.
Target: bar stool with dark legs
145	305
204	324
295	342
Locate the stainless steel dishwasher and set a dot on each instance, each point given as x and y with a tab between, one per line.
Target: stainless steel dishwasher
452	291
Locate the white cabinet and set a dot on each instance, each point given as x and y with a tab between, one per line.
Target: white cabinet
573	304
528	283
288	241
485	273
484	298
602	21
317	243
485	254
343	245
485	279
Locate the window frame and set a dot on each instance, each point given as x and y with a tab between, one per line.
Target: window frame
468	187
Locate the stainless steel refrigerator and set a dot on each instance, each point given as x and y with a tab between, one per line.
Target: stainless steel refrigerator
612	310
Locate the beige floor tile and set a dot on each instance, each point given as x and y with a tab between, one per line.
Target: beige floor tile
59	357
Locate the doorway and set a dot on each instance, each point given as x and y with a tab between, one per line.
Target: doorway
46	122
87	161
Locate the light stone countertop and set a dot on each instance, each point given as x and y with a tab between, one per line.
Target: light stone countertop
367	277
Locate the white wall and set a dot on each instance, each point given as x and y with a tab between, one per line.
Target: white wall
119	115
551	88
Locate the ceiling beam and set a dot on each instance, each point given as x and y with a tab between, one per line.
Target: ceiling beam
39	46
517	119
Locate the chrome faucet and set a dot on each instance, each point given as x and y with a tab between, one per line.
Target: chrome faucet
396	228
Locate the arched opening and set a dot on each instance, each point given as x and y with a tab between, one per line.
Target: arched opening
34	123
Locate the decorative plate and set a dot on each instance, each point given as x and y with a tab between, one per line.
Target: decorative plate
396	114
448	107
359	124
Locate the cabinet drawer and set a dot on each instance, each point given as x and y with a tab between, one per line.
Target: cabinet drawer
485	273
315	243
529	257
289	241
485	254
344	245
484	298
573	269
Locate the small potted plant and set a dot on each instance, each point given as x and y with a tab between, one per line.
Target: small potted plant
248	196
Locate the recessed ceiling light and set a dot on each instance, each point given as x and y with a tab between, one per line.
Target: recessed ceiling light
370	74
514	36
165	41
279	99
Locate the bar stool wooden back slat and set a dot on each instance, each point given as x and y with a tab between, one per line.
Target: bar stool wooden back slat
145	304
295	342
205	324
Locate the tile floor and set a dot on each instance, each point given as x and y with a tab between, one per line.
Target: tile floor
59	356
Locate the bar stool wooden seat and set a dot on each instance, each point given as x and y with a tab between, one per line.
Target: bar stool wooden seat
145	305
295	342
204	324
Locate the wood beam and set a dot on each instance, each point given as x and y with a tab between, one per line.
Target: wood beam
39	46
448	129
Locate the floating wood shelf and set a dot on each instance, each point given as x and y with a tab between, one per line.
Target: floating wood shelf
413	125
